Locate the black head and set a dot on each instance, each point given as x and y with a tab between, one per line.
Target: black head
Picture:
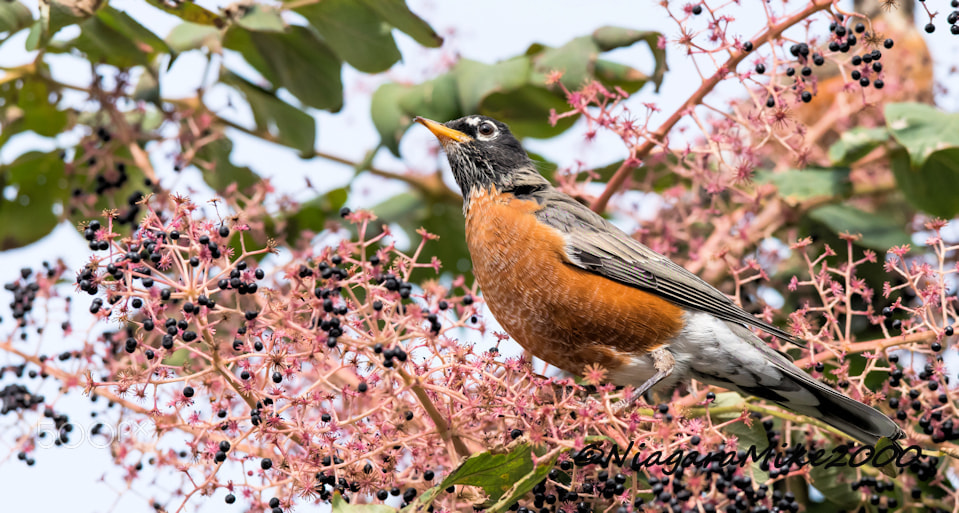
482	153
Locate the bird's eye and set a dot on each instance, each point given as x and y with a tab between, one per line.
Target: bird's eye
486	129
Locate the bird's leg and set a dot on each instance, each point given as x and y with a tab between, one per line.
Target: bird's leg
663	362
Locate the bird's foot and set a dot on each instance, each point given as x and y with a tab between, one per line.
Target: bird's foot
663	362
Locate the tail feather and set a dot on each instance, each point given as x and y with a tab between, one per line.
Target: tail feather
859	421
781	382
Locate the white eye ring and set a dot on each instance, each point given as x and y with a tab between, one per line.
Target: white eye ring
486	130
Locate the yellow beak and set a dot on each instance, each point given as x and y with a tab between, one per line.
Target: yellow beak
442	132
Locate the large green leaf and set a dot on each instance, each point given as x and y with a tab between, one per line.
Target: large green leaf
394	105
189	11
855	144
610	38
525	108
505	477
922	129
36	104
191	36
396	13
747	436
515	90
355	32
389	118
410	211
56	14
275	119
297	60
800	185
476	80
878	232
37	183
148	86
931	187
313	214
14	16
835	483
218	172
341	506
659	163
261	18
574	59
113	37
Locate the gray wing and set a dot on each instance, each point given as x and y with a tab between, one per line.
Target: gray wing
595	245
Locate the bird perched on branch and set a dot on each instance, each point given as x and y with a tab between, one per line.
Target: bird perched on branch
574	290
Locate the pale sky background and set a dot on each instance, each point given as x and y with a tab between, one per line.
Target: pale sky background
83	479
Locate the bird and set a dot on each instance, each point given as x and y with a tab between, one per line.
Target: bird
576	291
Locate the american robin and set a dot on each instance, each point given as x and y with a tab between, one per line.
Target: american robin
574	290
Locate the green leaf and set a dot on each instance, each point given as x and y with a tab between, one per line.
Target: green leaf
931	187
148	86
394	105
800	185
14	17
609	38
505	477
527	108
147	120
922	129
747	436
313	214
659	163
855	144
189	11
38	185
37	103
56	14
754	436
514	90
390	120
475	80
889	469
296	60
261	18
614	74
113	37
191	36
435	99
835	484
878	232
35	37
275	119
218	172
411	211
355	32
179	358
133	30
574	59
396	13
341	506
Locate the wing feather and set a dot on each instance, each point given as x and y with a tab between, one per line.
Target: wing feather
596	245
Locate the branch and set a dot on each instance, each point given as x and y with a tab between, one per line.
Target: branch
431	186
869	345
441	425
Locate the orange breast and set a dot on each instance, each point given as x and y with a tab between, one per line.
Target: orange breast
562	314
